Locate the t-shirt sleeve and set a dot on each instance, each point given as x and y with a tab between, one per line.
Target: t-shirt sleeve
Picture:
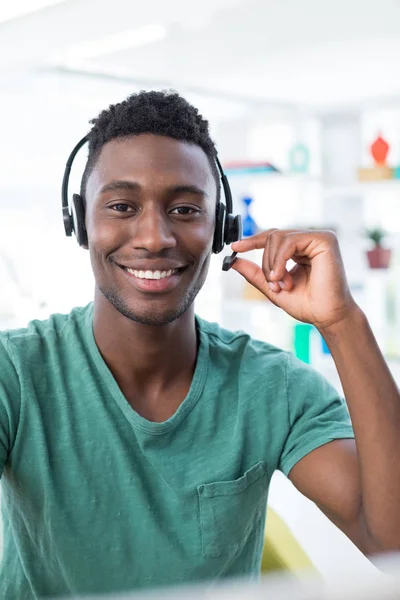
317	413
9	402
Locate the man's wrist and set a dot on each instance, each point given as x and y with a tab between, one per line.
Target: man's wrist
353	323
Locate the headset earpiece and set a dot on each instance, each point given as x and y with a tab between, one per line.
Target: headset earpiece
219	230
233	233
233	228
78	219
228	227
68	221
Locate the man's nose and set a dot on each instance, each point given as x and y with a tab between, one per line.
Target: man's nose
153	231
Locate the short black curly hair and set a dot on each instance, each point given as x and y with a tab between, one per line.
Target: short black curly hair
163	113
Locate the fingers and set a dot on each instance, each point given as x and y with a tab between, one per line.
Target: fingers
255	276
279	248
257	241
288	246
269	241
254	242
271	249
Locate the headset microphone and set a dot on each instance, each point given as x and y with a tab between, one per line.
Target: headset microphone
228	227
229	261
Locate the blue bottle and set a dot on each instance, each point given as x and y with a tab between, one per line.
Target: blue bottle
250	227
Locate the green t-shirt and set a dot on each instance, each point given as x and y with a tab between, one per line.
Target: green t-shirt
97	499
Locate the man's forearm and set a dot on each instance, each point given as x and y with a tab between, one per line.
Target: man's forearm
374	405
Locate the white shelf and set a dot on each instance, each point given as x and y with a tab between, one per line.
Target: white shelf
282	175
354	188
360	187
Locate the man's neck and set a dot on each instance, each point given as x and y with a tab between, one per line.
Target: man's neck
146	361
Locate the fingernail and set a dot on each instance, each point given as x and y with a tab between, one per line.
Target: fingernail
281	285
272	286
272	273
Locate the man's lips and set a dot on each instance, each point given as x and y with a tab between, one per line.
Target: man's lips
152	265
154	280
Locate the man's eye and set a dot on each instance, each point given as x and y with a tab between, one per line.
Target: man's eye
120	207
184	210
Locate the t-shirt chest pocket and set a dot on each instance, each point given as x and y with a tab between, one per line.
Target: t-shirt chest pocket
230	511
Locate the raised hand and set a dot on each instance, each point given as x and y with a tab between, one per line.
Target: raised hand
315	290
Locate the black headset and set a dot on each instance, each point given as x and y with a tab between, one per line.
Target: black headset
228	227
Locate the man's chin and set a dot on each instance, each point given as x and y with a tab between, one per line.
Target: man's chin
156	310
147	314
153	319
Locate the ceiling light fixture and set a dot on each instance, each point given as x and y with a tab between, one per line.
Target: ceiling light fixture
116	42
19	8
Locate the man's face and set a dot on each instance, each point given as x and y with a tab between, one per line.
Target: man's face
150	218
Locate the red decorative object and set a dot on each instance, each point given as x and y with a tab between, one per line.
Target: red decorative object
380	150
379	258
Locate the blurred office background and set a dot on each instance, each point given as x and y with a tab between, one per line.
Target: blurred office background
303	98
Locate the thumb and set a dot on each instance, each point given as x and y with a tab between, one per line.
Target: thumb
255	276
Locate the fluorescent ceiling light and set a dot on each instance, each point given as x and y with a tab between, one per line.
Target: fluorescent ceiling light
11	9
118	41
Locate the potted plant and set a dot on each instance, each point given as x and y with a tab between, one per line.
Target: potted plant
378	257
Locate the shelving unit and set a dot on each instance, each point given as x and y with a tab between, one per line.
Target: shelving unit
362	187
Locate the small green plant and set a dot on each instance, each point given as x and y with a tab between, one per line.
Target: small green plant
376	235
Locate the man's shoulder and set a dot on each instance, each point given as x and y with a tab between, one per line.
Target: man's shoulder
39	332
256	357
240	343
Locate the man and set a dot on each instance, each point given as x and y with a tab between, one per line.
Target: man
137	441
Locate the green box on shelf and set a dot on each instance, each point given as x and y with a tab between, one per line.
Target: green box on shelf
396	172
301	341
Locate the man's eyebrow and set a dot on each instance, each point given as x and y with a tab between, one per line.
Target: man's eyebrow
122	184
187	189
133	186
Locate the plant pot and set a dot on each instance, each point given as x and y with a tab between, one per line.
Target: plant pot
379	258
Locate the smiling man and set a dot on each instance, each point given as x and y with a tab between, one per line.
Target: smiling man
137	441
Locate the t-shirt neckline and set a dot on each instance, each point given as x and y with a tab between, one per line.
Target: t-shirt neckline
137	421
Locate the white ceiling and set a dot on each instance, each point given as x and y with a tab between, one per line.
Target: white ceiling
316	53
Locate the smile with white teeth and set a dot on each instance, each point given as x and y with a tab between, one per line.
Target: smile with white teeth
152	274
